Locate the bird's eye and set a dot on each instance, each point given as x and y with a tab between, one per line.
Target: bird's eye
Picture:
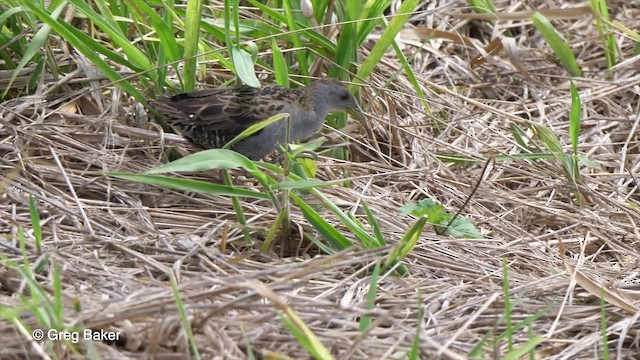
344	96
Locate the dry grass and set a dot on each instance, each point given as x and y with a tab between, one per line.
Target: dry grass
117	241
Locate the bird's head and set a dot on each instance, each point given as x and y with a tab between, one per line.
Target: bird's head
332	95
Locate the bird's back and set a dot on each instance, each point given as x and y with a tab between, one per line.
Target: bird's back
211	118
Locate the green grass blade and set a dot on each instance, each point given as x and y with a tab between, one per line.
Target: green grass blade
362	236
35	46
373	11
134	55
222	159
602	18
370	300
627	31
58	304
318	222
191	41
304	184
395	25
7	14
574	117
87	47
184	317
305	336
559	46
519	135
375	226
321	244
95	46
346	47
483	6
273	230
550	140
35	223
109	17
237	207
162	26
415	347
523	349
316	39
507	303
191	185
408	70
295	38
407	243
603	326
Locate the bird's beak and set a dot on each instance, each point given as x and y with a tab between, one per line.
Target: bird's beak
356	113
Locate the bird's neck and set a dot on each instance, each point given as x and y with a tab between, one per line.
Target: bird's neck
320	108
306	120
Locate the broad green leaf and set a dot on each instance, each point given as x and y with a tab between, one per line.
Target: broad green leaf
584	160
207	160
244	67
280	67
461	227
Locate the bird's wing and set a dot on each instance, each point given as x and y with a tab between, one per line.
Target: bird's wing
233	108
212	117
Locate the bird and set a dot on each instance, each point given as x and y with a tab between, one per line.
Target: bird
211	118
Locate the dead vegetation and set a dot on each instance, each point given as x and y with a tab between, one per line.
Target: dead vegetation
116	242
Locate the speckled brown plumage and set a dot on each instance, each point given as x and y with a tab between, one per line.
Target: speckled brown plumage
211	118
